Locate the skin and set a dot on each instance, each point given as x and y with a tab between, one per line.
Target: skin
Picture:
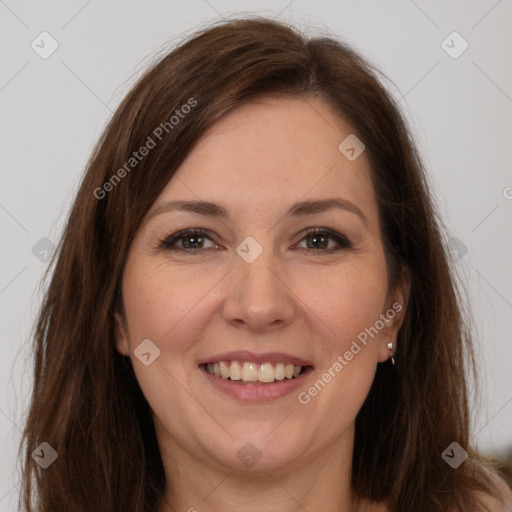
308	301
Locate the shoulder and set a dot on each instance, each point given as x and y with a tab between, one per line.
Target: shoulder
502	502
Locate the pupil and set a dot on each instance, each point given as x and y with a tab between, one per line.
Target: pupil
194	238
316	238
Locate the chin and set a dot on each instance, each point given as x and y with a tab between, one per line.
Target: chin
256	453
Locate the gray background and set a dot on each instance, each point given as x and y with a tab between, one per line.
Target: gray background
53	110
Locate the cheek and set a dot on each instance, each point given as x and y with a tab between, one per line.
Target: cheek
343	310
171	307
344	302
165	307
158	303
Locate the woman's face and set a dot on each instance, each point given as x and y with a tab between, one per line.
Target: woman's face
254	287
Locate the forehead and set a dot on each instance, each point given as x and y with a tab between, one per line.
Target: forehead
271	151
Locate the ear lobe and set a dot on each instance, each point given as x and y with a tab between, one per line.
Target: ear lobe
122	345
394	315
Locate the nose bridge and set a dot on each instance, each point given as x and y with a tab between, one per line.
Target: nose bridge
257	294
254	268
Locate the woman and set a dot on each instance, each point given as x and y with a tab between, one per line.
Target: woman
251	306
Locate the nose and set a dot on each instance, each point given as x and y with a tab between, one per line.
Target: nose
257	294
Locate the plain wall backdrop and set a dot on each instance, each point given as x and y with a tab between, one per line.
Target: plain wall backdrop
54	106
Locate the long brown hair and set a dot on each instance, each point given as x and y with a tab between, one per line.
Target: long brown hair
86	402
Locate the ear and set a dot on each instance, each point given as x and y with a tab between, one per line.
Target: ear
393	316
122	344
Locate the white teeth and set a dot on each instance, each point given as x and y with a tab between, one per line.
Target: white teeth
235	372
250	372
224	370
253	372
266	373
279	371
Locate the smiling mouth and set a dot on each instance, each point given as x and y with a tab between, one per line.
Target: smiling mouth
243	372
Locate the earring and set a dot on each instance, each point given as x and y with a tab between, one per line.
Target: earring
390	347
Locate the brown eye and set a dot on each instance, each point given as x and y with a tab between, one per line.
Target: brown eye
319	239
193	240
188	240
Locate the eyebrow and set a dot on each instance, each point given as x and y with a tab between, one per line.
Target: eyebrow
301	208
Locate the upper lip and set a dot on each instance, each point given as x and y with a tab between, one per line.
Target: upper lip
265	357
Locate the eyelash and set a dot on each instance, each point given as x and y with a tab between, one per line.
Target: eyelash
167	243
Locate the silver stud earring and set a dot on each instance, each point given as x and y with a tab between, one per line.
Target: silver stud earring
390	347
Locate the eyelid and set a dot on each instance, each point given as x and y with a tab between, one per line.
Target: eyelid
340	238
343	242
168	241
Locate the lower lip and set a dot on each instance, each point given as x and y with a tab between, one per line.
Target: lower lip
257	392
